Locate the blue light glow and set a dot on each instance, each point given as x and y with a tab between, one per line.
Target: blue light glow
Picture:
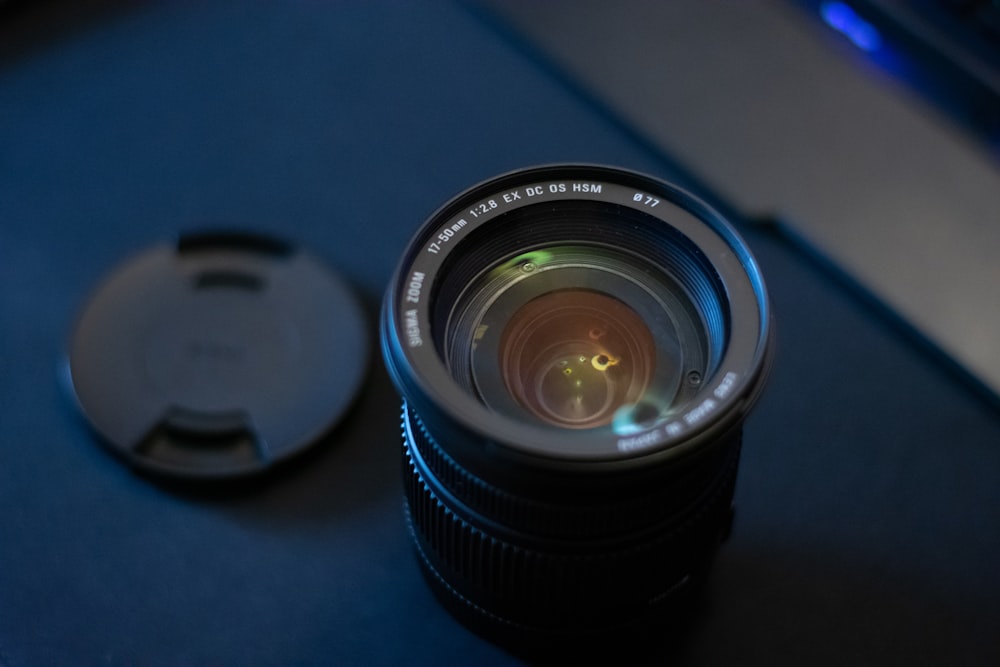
846	21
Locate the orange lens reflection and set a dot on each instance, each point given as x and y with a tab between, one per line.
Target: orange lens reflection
573	357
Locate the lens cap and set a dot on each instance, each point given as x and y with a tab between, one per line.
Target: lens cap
217	357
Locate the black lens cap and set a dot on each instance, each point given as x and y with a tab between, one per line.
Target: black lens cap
218	356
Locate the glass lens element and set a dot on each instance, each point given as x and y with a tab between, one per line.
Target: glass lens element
573	357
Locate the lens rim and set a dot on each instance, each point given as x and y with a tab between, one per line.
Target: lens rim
422	376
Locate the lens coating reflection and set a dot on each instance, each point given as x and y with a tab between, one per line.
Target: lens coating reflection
575	337
573	357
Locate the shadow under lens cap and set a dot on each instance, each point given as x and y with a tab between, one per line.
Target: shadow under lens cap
217	357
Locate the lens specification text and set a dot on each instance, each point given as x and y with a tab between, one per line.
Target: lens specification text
483	208
447	234
501	202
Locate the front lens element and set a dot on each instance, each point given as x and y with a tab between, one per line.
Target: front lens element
574	336
573	357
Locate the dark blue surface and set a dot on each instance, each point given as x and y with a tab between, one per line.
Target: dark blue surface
868	520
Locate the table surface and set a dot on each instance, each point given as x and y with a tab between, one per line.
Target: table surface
868	522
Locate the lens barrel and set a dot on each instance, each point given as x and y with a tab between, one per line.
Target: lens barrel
577	348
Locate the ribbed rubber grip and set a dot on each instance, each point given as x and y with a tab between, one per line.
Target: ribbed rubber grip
530	579
571	517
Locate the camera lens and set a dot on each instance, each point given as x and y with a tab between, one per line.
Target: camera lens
577	348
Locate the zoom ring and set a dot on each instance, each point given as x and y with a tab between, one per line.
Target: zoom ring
556	586
626	513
